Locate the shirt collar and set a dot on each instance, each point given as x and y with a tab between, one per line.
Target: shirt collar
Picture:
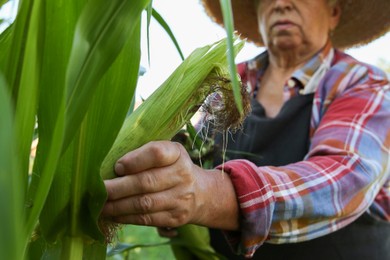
305	74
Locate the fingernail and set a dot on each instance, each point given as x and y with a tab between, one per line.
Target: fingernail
119	169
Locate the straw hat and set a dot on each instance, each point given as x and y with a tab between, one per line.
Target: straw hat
361	22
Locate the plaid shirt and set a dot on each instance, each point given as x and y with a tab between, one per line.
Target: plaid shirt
346	171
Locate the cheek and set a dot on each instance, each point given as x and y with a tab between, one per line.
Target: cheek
262	26
263	31
262	21
314	37
317	22
317	29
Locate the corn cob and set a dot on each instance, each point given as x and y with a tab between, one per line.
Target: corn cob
169	109
175	102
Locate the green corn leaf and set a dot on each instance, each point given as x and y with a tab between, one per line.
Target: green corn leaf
73	204
98	131
5	45
67	211
152	12
166	27
103	122
36	247
196	140
102	31
19	44
193	242
12	234
148	18
22	74
59	15
77	195
22	70
229	28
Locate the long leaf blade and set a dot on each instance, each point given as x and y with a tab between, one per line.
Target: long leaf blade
228	22
168	30
102	32
77	195
22	75
11	185
59	15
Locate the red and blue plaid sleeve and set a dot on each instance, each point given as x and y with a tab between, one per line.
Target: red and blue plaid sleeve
345	173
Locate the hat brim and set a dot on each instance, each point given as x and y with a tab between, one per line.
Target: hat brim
361	21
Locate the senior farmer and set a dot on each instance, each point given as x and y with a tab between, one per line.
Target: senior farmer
309	176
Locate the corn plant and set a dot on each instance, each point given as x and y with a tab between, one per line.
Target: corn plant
68	73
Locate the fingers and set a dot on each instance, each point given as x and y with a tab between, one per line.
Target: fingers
159	154
156	187
175	168
147	203
157	219
150	181
164	209
150	203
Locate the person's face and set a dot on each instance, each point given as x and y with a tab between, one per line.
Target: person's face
296	24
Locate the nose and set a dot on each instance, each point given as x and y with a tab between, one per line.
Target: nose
283	5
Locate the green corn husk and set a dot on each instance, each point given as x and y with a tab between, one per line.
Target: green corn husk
174	103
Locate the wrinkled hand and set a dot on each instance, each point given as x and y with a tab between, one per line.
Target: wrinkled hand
157	185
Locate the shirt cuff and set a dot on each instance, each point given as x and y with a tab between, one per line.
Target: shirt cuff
256	202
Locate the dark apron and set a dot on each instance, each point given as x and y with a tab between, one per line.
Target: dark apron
282	140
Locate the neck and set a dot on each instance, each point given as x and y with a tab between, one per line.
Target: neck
287	61
283	63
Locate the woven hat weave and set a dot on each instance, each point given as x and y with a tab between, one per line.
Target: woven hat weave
361	21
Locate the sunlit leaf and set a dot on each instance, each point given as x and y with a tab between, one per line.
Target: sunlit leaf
22	74
104	120
77	193
101	33
60	15
79	174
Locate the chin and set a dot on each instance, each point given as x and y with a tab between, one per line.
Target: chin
285	46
